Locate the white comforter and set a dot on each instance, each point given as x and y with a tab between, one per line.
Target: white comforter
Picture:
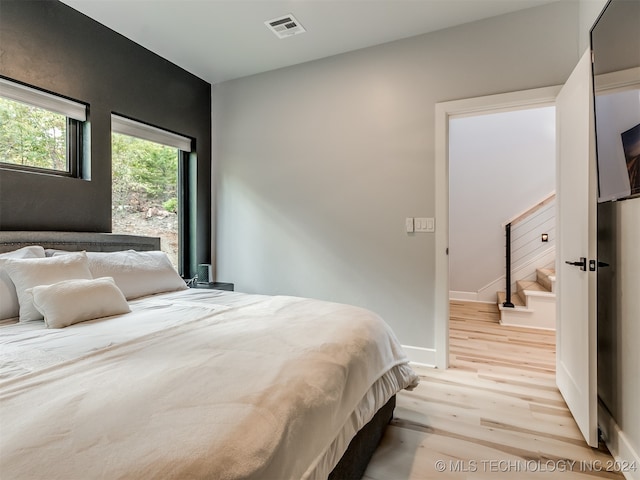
195	384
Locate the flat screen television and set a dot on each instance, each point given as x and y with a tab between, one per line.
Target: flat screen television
615	43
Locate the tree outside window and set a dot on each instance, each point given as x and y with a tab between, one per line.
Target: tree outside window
32	137
145	190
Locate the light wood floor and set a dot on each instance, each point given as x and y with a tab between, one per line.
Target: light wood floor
496	413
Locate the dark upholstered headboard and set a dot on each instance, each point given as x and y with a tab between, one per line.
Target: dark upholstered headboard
76	241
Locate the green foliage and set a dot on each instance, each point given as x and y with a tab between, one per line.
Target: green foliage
171	205
32	136
145	178
143	169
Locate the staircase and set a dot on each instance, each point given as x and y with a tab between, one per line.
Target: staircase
534	302
529	239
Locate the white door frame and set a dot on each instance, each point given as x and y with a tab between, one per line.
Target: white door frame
539	97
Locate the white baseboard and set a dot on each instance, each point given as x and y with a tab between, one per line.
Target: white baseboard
464	296
619	446
468	297
420	355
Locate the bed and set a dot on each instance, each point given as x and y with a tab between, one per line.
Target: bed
185	383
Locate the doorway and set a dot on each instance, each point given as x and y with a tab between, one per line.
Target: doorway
500	166
444	113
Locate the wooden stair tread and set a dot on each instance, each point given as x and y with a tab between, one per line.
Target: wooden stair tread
550	272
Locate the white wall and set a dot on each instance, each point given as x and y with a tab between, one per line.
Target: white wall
499	165
316	166
628	386
619	326
618	298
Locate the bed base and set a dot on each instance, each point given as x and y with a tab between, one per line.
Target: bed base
354	462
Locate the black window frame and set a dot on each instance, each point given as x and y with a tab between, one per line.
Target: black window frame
186	187
75	127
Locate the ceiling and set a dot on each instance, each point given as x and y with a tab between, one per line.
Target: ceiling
220	40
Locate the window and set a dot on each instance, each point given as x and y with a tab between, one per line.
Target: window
39	131
147	179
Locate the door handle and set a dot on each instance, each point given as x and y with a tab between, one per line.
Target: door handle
582	264
594	265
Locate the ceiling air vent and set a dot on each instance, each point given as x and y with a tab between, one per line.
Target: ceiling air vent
285	26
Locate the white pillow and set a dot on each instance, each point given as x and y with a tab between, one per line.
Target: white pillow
31	272
137	273
9	306
50	252
73	301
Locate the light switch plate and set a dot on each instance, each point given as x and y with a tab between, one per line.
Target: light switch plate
408	223
431	225
423	224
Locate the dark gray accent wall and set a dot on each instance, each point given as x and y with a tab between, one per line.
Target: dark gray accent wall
48	45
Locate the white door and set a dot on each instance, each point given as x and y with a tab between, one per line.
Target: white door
576	366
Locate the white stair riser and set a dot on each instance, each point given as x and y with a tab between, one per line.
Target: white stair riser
539	313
